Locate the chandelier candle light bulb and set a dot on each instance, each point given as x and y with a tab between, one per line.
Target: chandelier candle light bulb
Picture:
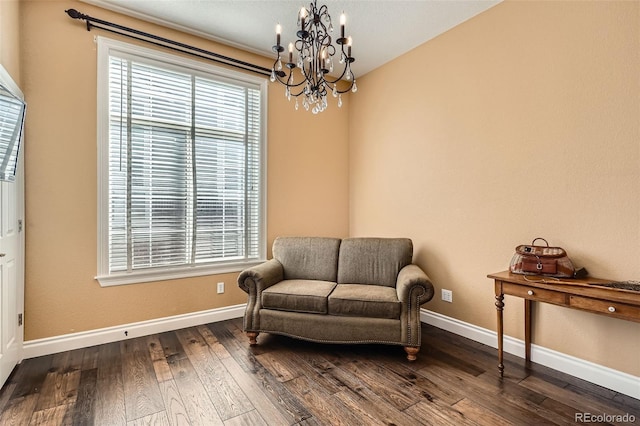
303	15
315	44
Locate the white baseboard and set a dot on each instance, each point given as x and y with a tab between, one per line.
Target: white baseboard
67	342
604	376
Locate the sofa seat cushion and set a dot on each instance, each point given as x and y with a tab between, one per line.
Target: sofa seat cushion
364	300
298	296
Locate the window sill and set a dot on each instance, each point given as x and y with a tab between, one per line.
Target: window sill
164	274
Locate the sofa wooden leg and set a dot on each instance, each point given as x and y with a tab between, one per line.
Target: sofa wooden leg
253	336
411	351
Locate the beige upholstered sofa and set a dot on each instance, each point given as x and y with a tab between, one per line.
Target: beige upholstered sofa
355	290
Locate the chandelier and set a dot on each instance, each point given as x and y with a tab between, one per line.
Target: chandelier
314	60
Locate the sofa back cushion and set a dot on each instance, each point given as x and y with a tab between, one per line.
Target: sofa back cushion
308	258
373	260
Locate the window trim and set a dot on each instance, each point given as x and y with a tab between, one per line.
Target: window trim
174	62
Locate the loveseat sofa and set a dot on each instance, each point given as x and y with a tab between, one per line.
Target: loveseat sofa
354	290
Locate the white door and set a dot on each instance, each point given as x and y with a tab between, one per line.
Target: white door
11	275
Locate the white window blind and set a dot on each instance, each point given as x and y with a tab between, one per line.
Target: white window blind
184	169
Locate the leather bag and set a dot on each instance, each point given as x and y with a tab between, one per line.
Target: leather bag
542	260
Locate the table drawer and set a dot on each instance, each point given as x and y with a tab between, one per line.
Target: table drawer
614	309
534	293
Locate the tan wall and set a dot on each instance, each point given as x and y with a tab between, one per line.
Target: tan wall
10	38
440	155
522	122
307	172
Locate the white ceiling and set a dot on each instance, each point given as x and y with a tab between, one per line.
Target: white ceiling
381	29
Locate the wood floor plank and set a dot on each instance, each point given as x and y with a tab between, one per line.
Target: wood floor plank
225	393
524	398
564	413
618	405
5	393
283	368
422	386
431	413
482	393
256	394
31	375
197	403
90	357
287	404
579	402
155	419
346	387
564	380
327	375
84	409
18	411
141	391
50	416
110	405
251	418
478	414
628	404
372	407
484	359
158	358
510	388
176	411
382	382
323	405
212	341
456	362
61	383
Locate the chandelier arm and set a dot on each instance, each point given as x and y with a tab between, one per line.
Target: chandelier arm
337	79
280	74
286	83
344	72
295	95
348	89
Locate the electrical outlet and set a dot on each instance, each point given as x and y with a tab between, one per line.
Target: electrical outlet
220	288
447	295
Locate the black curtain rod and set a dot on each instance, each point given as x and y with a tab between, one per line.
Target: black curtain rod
166	43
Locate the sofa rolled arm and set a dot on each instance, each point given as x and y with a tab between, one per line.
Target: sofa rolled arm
260	277
414	288
253	281
414	282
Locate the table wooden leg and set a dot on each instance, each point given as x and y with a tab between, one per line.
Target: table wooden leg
527	331
499	307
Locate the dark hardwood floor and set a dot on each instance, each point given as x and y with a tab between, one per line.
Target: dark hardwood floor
208	375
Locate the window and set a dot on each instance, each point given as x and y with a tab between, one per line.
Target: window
181	166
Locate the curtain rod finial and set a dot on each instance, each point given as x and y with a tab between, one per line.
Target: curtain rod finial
74	14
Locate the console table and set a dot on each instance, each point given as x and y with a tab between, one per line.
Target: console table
583	294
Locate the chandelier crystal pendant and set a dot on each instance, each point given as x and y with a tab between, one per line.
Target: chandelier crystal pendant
314	60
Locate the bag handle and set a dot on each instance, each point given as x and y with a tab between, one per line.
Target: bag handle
533	243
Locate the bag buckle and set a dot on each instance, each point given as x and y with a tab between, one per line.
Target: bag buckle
539	264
